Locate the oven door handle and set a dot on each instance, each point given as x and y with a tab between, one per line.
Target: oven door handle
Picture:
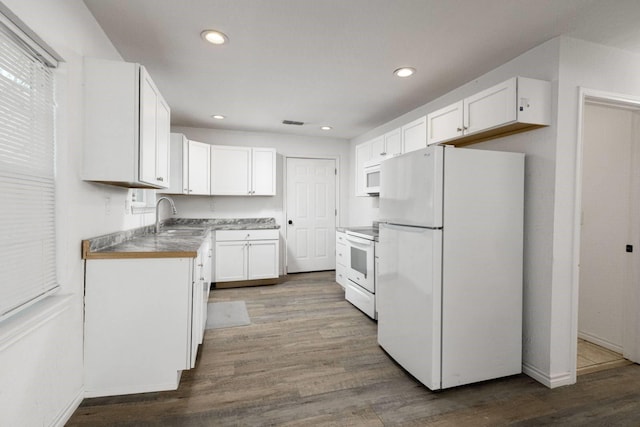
359	241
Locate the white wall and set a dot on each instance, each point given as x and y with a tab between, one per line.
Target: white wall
541	62
263	206
41	378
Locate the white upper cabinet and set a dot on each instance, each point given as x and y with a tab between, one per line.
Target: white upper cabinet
190	168
363	155
414	135
515	105
243	171
230	170
126	126
199	169
387	145
445	124
263	171
409	137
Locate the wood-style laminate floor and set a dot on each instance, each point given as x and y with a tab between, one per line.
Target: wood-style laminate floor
311	359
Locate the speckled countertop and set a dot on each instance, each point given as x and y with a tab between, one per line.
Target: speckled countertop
178	238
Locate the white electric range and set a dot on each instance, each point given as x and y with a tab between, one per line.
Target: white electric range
361	268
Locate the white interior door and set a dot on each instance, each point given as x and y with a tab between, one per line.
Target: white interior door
608	200
311	214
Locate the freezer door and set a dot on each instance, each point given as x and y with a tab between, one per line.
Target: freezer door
408	297
411	188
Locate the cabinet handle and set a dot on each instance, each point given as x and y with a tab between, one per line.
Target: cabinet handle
459	129
202	278
160	178
200	265
190	191
383	154
186	190
465	128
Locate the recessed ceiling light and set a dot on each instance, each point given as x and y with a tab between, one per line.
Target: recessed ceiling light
404	71
326	128
218	116
214	36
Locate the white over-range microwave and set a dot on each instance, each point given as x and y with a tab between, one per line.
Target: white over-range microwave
372	177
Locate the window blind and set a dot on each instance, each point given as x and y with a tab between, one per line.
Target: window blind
27	176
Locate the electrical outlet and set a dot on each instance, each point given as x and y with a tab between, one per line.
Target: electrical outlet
107	205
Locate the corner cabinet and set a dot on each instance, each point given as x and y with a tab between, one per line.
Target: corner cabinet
516	105
243	171
246	255
126	134
190	166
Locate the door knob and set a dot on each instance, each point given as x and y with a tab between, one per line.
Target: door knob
290	222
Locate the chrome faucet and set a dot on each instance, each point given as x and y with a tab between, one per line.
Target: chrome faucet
173	209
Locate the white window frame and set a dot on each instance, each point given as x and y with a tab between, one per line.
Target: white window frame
27	167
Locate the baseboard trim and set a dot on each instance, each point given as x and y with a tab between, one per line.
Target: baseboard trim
243	283
601	342
67	412
550	381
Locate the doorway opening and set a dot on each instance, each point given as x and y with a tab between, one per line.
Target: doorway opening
609	234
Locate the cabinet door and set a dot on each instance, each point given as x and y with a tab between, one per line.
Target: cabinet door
393	143
444	124
263	176
196	317
414	135
178	152
490	108
230	170
163	132
199	168
363	155
377	148
148	128
231	261
263	259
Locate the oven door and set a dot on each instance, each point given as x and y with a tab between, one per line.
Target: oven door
361	262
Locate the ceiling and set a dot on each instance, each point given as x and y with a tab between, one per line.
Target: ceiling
331	62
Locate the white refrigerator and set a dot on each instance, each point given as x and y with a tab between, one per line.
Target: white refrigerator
449	290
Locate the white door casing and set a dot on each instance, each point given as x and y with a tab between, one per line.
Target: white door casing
631	333
310	214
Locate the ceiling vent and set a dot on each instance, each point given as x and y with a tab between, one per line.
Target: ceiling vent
292	122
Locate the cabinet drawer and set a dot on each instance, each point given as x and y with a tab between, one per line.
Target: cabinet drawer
341	275
341	254
229	235
362	299
341	237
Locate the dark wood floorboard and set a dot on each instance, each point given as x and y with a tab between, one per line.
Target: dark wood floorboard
310	358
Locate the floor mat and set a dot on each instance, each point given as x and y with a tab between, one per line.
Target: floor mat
227	314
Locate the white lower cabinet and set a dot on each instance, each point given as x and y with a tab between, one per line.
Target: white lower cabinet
144	320
246	255
341	259
200	286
